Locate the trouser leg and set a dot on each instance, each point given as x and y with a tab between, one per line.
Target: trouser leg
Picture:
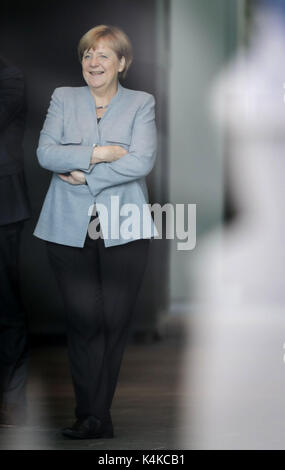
13	327
122	270
78	275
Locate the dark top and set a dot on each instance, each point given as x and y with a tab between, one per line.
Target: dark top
93	217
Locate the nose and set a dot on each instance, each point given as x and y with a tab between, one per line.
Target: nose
94	61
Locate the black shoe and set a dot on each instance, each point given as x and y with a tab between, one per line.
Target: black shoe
89	428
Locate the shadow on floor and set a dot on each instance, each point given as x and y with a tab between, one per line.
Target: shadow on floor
144	407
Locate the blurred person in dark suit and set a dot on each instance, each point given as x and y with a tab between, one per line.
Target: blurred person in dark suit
14	209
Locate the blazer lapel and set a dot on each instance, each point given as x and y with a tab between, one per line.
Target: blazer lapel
86	117
86	114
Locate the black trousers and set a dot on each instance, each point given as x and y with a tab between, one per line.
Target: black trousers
13	325
99	287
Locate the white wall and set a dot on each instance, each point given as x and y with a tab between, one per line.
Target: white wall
202	33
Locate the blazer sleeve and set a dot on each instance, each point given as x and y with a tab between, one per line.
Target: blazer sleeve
139	160
52	155
11	98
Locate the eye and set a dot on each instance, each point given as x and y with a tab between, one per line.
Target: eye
86	56
105	57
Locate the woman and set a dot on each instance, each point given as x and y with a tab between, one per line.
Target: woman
100	142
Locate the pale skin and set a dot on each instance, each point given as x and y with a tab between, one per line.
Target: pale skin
103	87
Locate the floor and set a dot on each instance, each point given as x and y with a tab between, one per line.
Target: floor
144	409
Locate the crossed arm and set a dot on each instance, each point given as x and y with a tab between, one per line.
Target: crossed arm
105	153
117	165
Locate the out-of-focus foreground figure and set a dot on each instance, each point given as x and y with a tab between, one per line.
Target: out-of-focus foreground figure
234	390
14	210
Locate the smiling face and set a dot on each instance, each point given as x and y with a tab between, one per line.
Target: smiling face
100	67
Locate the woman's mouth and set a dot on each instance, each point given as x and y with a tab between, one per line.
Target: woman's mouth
96	73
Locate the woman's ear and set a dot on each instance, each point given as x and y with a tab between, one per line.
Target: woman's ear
122	63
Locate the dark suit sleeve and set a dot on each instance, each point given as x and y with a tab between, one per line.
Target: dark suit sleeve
11	98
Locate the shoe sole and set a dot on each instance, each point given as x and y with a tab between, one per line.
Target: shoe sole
94	436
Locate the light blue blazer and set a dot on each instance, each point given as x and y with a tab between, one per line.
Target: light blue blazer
118	188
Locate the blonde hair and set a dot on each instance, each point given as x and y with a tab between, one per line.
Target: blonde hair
115	38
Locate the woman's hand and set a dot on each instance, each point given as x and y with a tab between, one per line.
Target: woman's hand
74	177
107	153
